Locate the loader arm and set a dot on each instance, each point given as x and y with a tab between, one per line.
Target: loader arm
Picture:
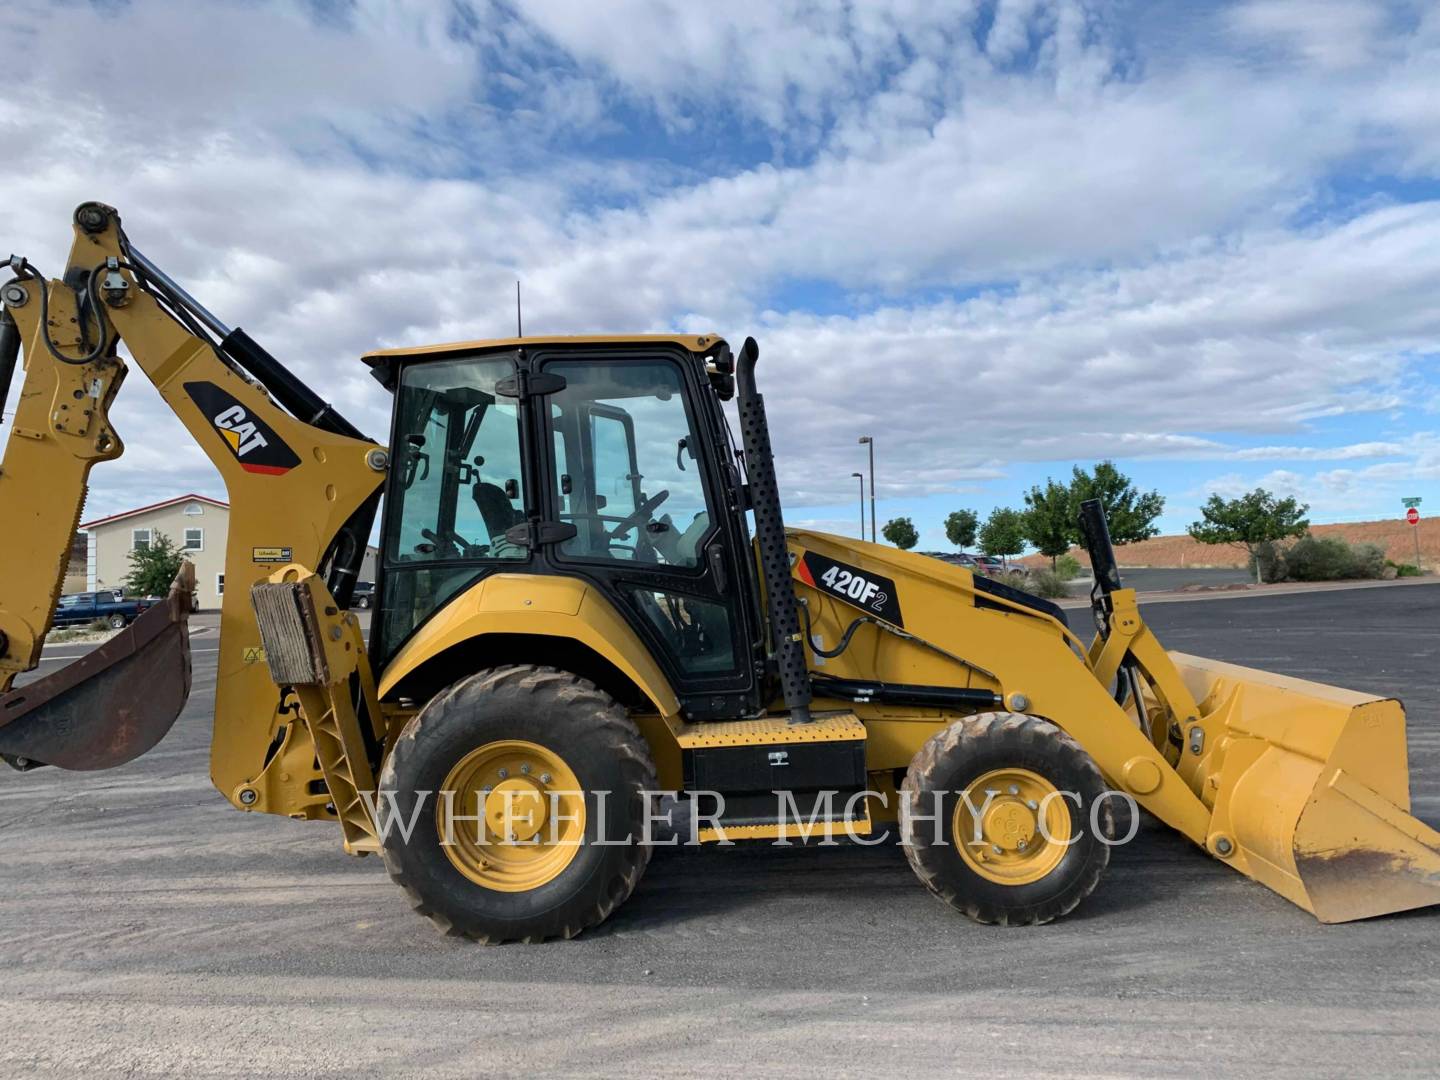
303	484
1306	786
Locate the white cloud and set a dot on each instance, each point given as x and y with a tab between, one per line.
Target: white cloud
1255	338
382	177
1330	33
1319	453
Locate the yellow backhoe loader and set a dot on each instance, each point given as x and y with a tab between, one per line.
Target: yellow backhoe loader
571	616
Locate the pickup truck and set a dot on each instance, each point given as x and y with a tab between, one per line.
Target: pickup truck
78	609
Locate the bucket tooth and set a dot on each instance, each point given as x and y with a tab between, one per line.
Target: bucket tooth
112	704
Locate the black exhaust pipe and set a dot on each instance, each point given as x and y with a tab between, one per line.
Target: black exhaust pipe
784	619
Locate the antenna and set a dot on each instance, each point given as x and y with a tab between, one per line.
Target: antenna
519	330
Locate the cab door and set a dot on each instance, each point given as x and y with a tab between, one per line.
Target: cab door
630	471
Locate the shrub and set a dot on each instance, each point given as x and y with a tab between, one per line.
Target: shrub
1406	569
1267	562
98	624
1367	561
1329	558
1044	583
1068	567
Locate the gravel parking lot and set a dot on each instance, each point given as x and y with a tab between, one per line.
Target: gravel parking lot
149	929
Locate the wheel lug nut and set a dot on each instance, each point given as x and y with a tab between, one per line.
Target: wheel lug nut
504	773
1014	790
1032	804
525	769
998	849
545	778
1022	845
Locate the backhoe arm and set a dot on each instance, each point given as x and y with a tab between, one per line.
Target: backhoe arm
302	483
61	428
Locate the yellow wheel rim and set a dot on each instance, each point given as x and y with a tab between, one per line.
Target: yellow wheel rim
1011	826
515	818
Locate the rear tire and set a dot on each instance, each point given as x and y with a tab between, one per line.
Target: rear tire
565	719
117	622
1030	876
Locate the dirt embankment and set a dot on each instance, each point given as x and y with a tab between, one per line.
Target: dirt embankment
1396	537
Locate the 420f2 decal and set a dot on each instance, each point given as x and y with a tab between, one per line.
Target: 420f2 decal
860	588
253	442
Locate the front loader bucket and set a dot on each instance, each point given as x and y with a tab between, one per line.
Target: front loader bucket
112	704
1309	786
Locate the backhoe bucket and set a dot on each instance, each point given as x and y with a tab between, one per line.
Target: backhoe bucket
112	704
1310	790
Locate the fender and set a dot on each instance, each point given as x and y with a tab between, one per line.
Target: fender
542	604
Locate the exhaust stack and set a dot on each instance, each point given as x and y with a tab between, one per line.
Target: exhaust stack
770	535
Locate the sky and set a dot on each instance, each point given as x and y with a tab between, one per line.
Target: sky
1001	237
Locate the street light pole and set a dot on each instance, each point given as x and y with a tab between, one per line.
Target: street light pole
861	478
870	441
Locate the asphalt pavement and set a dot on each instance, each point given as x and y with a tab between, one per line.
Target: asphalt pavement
149	929
1166	579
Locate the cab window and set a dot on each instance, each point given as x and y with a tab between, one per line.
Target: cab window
625	465
458	485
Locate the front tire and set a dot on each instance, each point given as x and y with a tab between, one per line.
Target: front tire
1030	843
537	733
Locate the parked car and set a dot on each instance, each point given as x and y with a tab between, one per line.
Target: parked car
364	595
993	567
77	609
954	558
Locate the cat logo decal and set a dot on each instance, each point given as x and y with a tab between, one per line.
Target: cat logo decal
253	442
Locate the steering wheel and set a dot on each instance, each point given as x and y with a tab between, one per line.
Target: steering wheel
643	513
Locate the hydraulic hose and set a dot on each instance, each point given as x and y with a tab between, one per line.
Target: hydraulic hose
9	355
28	272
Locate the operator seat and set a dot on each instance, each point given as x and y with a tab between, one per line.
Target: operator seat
682	549
495	508
689	540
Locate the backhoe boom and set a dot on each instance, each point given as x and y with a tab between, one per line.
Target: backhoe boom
302	482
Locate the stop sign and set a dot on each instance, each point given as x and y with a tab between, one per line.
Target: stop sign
1412	516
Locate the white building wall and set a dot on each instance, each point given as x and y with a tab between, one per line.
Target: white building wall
113	541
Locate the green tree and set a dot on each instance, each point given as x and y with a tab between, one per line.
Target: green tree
900	532
1003	533
1049	519
153	567
1130	513
1253	522
960	528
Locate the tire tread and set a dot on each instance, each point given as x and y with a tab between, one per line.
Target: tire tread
959	741
621	735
